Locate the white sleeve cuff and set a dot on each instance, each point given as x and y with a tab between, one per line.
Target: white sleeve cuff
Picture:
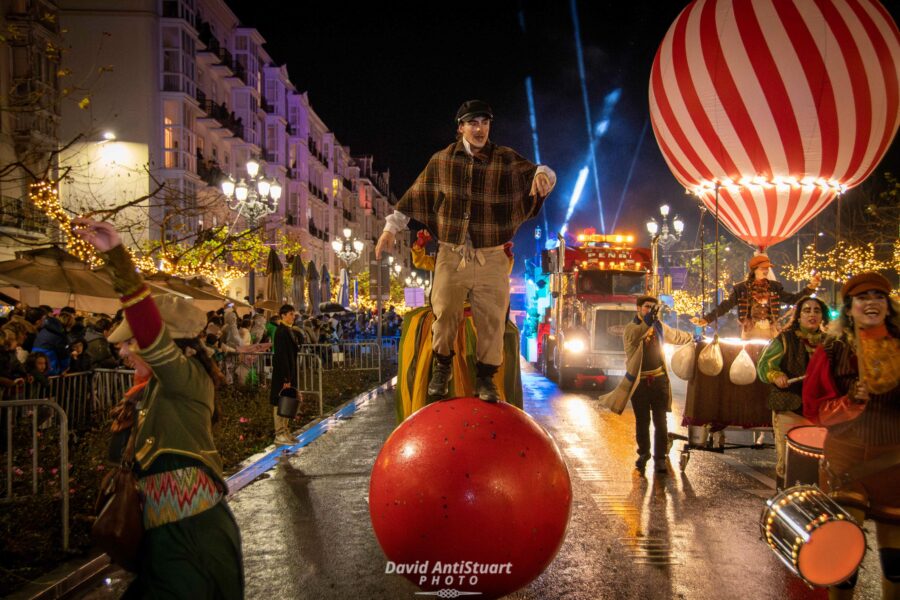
396	222
548	172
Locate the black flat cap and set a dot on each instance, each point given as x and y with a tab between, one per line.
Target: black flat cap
474	108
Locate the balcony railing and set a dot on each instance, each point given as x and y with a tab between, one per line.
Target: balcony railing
220	113
204	32
267	106
15	212
225	57
209	171
239	72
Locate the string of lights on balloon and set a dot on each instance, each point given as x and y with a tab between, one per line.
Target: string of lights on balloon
767	182
45	197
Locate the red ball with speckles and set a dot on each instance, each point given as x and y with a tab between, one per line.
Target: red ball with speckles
463	485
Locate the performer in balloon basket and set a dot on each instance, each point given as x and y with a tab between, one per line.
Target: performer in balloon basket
472	196
716	402
783	366
758	300
852	387
415	354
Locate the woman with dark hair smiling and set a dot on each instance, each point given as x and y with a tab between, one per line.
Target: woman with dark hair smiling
783	364
853	389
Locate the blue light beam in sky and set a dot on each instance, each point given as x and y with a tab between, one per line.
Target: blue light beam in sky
587	112
630	172
532	119
576	195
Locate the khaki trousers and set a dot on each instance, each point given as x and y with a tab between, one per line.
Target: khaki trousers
482	276
782	422
282	424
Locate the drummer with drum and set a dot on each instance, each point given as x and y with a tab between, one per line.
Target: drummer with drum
853	388
783	366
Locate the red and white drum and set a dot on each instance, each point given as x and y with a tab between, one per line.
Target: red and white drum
814	537
803	455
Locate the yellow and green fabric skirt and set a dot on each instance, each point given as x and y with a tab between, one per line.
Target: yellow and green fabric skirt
414	362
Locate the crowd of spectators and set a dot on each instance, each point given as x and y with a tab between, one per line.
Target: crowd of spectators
39	342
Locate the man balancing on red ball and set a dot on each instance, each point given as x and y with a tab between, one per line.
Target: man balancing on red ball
472	196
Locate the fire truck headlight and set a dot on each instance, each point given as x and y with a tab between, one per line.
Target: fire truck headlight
576	346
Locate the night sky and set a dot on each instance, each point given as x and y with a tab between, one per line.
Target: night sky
388	77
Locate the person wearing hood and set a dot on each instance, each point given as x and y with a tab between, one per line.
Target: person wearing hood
53	342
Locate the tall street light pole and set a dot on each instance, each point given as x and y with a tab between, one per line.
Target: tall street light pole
254	198
348	249
666	237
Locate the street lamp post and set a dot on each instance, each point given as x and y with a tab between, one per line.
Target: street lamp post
666	237
254	198
348	249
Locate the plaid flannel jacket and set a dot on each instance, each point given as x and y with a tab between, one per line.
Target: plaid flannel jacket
485	195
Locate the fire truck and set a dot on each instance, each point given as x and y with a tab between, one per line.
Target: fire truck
594	285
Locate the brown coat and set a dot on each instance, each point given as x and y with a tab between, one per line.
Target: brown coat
633	337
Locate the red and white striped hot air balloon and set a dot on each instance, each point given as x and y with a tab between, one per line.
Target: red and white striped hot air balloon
776	105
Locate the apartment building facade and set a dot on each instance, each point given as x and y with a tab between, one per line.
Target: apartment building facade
29	63
192	92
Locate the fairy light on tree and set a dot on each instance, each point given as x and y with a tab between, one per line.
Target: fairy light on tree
45	197
839	263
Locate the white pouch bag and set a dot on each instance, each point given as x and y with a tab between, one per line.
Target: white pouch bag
683	361
743	370
710	361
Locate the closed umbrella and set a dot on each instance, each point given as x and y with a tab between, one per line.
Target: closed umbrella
274	279
326	284
298	283
313	287
344	293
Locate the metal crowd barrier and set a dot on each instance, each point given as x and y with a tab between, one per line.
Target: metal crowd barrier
241	366
390	347
309	377
9	407
72	391
110	386
353	356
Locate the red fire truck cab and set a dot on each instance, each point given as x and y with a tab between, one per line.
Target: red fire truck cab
594	284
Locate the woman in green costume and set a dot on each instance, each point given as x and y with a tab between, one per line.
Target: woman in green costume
191	547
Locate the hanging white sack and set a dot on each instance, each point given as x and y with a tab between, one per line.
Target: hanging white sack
743	371
710	361
683	361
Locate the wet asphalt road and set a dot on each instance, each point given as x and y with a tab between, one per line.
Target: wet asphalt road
693	535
